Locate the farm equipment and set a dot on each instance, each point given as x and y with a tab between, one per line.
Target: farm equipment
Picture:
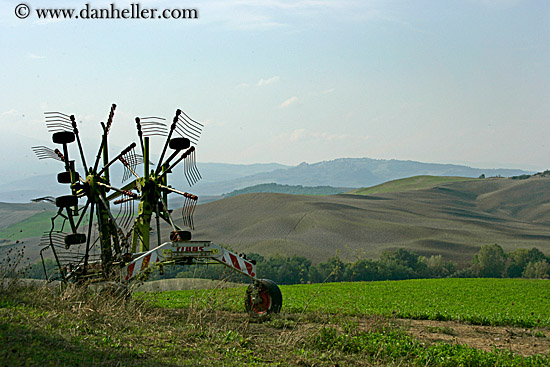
95	243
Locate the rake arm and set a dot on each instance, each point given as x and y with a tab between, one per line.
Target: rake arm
189	252
75	130
106	129
172	128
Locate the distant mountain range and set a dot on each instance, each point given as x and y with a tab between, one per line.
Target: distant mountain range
220	178
348	172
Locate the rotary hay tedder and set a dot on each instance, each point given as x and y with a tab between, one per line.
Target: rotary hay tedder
93	243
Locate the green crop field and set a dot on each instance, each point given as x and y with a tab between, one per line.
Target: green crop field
517	302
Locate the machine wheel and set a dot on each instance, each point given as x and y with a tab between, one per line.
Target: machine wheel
179	143
63	137
66	201
74	239
65	177
263	298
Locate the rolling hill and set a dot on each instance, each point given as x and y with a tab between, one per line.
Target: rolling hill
406	184
453	219
289	189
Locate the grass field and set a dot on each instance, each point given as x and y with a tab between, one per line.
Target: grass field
517	302
33	226
316	328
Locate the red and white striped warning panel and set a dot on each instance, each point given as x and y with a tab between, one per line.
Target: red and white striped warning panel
140	264
238	263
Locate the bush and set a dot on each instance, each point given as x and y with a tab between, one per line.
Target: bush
539	270
489	262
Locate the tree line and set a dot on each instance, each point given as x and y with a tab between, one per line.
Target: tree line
490	262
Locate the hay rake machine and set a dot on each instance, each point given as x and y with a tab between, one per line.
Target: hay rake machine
94	242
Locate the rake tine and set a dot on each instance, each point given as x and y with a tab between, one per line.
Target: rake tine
190	135
154	129
57	121
154	118
56	130
185	171
146	127
58	113
192	211
126	213
190	125
189	208
196	122
131	216
195	166
53	128
183	214
191	130
43	152
191	163
149	129
190	169
65	118
53	123
122	212
152	123
130	161
184	210
50	119
183	133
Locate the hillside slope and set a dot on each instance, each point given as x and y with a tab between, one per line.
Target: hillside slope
453	219
409	183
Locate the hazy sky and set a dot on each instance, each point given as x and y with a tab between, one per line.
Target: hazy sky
291	81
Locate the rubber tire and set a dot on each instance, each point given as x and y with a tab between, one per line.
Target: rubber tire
180	236
74	239
66	201
63	137
65	177
270	292
179	143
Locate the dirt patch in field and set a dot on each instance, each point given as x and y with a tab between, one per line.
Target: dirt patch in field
521	341
291	329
